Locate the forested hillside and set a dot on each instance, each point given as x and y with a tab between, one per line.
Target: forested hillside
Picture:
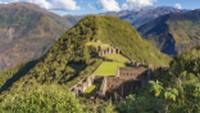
172	90
74	56
70	58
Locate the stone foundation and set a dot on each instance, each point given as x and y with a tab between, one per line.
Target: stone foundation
128	79
109	51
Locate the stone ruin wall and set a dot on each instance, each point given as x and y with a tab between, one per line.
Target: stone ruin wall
125	81
80	88
109	51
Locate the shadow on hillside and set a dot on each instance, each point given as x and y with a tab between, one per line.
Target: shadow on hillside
21	73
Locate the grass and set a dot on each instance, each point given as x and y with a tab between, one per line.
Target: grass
108	68
121	34
117	57
90	89
5	75
98	44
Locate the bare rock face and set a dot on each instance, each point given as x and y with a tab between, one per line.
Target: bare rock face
26	33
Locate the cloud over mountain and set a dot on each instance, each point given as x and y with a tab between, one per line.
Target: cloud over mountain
178	6
110	5
137	4
113	5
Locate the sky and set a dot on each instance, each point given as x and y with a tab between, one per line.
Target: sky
79	7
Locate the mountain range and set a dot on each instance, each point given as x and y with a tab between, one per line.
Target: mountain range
140	17
19	31
172	30
99	63
76	54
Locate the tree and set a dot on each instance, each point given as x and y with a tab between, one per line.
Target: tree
45	99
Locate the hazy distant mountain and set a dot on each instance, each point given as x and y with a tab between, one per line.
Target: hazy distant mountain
26	32
72	20
140	17
174	33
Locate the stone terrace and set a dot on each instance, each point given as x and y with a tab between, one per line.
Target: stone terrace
124	81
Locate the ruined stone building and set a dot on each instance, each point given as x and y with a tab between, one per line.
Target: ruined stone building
110	50
127	80
80	88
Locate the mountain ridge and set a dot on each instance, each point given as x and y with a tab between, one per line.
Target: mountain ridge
27	32
173	33
140	17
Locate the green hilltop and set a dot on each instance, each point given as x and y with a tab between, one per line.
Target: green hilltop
71	59
121	34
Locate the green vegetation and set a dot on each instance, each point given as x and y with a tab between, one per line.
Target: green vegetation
108	68
43	99
90	89
127	40
50	99
174	91
179	33
189	30
70	60
5	75
98	44
117	58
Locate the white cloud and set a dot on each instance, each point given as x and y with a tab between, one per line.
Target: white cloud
50	4
178	6
7	2
41	3
110	5
64	4
137	4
